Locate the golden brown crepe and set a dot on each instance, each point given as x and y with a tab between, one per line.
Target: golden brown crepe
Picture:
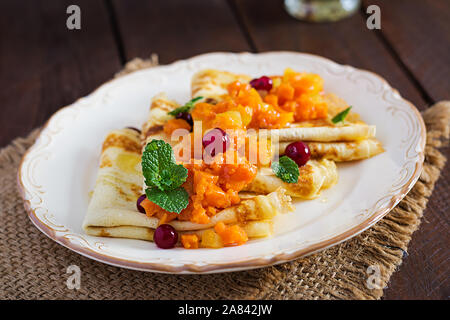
158	115
112	210
212	84
341	151
350	132
314	176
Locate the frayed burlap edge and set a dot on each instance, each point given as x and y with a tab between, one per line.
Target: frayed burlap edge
340	272
138	64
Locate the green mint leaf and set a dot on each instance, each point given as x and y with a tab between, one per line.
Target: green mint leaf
173	176
286	169
186	108
173	200
159	167
341	115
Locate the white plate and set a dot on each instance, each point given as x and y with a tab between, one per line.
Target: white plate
58	172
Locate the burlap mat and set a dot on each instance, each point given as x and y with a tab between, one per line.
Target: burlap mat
34	267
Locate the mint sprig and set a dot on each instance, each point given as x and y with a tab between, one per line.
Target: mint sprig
164	177
286	169
341	116
173	200
186	108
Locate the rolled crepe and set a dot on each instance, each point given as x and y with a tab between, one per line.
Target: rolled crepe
341	151
212	84
338	151
315	176
158	115
349	132
112	210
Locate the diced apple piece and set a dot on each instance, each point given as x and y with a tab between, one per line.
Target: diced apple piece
258	229
210	239
266	209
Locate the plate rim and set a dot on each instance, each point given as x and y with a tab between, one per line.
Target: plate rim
245	263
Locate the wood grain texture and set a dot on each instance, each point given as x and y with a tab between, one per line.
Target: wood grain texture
177	29
44	65
346	42
424	273
419	33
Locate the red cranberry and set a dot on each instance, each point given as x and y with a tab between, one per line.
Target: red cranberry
138	203
263	83
299	152
165	236
185	116
211	136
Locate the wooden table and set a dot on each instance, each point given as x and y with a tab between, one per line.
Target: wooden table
45	66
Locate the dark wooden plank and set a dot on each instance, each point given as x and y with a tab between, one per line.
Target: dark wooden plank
46	66
424	273
177	29
347	41
419	33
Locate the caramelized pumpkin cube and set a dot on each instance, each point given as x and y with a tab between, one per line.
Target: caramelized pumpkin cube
189	241
231	235
174	124
228	120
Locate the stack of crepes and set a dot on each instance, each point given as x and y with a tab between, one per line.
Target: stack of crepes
225	199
